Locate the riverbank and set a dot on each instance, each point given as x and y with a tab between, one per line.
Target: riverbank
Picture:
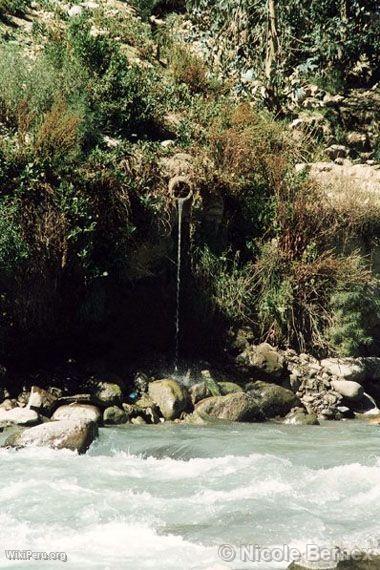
262	384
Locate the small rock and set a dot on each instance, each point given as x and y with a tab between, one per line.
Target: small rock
74	412
114	416
263	357
108	394
19	416
41	401
299	417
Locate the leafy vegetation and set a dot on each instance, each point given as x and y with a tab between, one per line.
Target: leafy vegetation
92	128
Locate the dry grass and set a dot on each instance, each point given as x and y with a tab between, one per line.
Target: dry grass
58	133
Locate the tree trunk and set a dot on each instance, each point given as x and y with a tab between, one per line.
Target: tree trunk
272	40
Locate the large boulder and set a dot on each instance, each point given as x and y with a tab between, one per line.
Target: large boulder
264	358
170	397
75	412
229	388
345	368
236	407
19	416
273	399
64	434
108	394
114	416
348	389
41	401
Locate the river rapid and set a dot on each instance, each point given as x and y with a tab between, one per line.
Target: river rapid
168	496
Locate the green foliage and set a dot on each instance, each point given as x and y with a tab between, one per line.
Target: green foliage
13	248
13	6
338	41
228	282
354	314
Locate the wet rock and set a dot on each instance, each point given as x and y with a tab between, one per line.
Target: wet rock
74	412
348	388
108	394
64	434
300	417
114	416
199	392
19	416
274	400
264	358
146	408
170	397
237	407
41	401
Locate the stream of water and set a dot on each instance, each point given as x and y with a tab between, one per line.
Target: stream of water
180	203
167	496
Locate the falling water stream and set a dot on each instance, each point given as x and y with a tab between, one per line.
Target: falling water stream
180	202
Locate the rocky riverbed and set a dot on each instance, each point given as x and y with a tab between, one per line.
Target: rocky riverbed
264	384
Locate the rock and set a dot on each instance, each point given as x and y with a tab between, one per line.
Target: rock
346	412
114	416
345	368
340	561
300	417
76	399
74	412
108	394
348	388
229	388
141	382
75	11
19	416
63	434
264	358
274	400
41	401
170	397
236	407
199	392
337	151
8	404
146	408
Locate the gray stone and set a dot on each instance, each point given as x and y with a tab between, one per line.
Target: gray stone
41	401
264	358
299	417
237	407
108	394
74	412
170	397
64	434
348	388
273	399
19	416
345	368
114	416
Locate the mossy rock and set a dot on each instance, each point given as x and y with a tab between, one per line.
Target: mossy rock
237	407
170	397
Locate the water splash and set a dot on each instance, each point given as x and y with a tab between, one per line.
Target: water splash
180	202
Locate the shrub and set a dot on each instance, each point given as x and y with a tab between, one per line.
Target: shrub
188	68
355	313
